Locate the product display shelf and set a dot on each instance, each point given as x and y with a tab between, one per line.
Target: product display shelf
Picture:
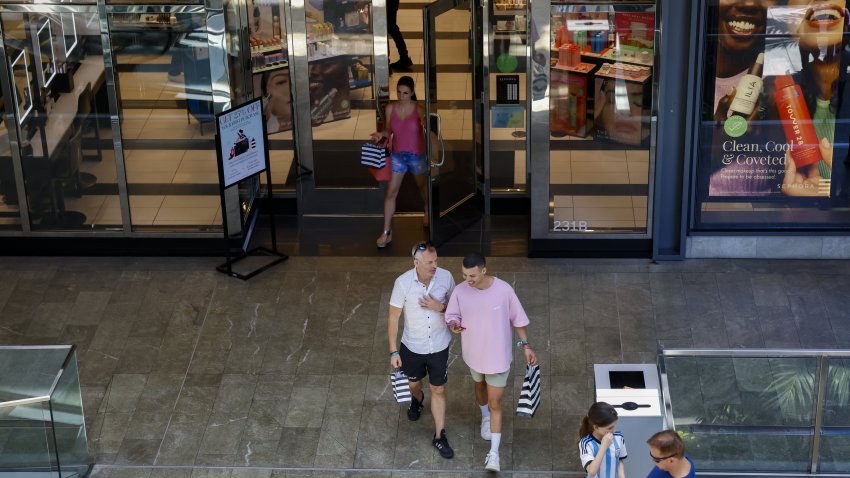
266	49
610	55
505	13
335	55
276	66
508	33
583	68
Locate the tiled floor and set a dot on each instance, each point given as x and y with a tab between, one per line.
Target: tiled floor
188	373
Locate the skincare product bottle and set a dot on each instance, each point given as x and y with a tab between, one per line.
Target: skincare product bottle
796	121
321	110
748	90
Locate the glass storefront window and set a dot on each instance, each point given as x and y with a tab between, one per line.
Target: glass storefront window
61	111
508	24
774	120
602	66
10	218
342	107
272	82
164	83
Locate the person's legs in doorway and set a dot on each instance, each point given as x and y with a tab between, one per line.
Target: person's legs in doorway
404	62
389	209
421	178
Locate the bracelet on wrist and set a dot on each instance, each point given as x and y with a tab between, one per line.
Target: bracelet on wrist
393	354
522	343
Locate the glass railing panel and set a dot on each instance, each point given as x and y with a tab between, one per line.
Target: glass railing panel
835	442
744	414
29	372
26	441
66	408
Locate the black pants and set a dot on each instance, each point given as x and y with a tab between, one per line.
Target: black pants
392	28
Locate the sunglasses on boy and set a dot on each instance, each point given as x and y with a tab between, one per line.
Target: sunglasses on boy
660	459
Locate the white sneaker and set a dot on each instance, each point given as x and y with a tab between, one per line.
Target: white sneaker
491	463
485	429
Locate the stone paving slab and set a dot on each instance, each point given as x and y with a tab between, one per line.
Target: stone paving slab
183	366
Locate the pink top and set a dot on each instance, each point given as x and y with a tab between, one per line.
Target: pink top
488	316
407	132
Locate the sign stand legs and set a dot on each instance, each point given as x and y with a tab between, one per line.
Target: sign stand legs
245	133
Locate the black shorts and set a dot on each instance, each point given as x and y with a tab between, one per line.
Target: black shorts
416	366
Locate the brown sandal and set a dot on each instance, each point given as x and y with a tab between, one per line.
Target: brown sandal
385	238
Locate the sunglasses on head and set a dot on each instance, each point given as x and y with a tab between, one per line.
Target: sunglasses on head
660	459
421	247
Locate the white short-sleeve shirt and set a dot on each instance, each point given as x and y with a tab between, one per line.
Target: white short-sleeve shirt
425	330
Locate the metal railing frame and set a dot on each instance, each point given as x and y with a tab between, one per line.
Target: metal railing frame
823	357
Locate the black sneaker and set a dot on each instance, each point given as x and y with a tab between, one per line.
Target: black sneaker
415	410
442	445
402	66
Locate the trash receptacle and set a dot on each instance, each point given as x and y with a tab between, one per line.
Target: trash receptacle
633	389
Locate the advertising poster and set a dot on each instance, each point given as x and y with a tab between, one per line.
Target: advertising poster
329	90
621	103
240	132
778	67
277	99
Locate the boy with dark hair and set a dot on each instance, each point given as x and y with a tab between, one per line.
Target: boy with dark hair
486	312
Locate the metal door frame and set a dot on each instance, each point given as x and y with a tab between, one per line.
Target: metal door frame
479	148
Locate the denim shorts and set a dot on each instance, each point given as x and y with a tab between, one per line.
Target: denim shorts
403	162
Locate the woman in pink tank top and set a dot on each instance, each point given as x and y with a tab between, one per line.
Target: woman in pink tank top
405	120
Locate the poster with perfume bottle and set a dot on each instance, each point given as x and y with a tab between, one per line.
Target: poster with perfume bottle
329	89
775	100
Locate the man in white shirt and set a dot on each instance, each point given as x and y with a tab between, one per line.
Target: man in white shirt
422	293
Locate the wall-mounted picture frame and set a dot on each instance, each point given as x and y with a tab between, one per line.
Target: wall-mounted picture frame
23	92
44	53
69	32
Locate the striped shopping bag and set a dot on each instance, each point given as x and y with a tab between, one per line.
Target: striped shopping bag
529	398
401	387
373	155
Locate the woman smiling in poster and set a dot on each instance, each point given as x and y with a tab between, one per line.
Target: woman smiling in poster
740	38
819	27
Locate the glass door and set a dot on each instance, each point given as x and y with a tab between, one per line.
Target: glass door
339	78
453	102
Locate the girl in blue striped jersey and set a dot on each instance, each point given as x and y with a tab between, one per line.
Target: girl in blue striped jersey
601	448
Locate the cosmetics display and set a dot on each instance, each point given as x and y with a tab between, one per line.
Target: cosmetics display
267	40
796	122
748	90
569	55
510	4
601	67
568	104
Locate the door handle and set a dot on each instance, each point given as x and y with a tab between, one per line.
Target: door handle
439	128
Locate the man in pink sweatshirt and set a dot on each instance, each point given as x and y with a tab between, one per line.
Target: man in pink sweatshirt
484	309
